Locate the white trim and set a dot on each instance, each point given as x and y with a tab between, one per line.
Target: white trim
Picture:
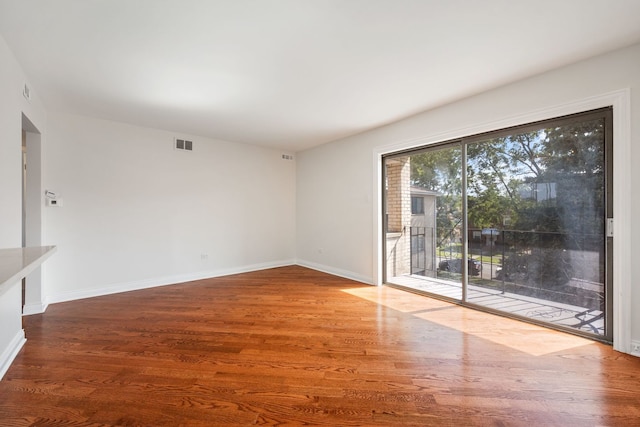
622	198
621	102
161	281
10	353
335	271
377	218
29	309
635	344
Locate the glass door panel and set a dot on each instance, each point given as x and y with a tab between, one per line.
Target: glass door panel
536	204
424	221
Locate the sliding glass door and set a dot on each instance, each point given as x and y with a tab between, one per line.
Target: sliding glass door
424	222
512	221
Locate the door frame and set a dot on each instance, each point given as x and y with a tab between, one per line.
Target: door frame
620	100
34	299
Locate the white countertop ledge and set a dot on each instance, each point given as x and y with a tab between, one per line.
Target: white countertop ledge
16	263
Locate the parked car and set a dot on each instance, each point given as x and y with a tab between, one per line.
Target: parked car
454	265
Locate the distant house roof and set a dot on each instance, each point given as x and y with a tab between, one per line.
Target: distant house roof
419	191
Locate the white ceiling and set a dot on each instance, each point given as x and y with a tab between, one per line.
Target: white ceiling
293	74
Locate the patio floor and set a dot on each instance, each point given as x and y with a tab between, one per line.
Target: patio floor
580	318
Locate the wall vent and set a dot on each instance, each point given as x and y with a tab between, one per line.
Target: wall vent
183	144
26	92
287	157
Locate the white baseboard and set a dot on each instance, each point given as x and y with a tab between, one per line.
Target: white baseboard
335	271
161	281
29	309
10	353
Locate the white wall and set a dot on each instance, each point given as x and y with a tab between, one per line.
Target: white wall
12	105
334	209
337	192
137	213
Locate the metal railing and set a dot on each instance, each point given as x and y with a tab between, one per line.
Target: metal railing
561	267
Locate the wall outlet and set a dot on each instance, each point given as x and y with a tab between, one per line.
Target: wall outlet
635	348
204	256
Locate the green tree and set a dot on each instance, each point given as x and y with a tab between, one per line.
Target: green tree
523	175
440	171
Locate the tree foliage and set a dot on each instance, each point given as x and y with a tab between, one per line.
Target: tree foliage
549	179
439	171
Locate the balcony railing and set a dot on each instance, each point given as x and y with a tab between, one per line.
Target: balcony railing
566	268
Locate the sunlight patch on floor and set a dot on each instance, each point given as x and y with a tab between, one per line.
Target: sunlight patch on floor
531	339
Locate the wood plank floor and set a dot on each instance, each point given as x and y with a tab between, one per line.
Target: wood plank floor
292	346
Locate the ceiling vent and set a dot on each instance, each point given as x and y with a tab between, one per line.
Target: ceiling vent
183	144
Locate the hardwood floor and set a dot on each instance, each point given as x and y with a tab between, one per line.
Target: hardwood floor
292	346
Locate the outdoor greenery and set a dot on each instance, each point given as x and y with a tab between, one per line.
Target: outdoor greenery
506	175
544	185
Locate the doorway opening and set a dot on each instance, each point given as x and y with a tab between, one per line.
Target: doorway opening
32	294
